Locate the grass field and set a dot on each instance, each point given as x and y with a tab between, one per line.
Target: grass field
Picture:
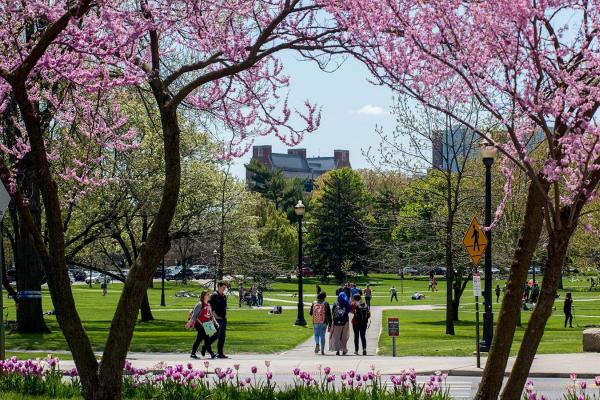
423	332
251	330
245	331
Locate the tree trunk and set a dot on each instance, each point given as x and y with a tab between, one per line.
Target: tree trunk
149	256
455	306
557	249
450	314
145	310
52	254
491	380
30	318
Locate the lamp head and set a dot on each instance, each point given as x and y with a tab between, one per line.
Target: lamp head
487	150
299	208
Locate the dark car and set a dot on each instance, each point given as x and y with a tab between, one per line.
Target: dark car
183	275
79	275
439	271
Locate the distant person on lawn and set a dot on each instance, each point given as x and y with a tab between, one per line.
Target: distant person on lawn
368	294
241	294
497	293
340	333
394	294
321	317
360	321
218	302
202	314
568	309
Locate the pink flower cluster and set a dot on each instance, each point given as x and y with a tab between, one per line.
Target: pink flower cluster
36	367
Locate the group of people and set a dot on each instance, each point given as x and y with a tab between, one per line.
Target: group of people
209	318
252	297
336	319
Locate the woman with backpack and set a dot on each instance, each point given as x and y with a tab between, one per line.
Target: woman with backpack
321	316
340	332
203	320
360	321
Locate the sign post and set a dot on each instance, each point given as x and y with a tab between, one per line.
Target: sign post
477	293
4	200
393	331
475	242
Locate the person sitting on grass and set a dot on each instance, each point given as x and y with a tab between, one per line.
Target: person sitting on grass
321	317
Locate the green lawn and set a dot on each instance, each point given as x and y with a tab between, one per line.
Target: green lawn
423	332
247	327
245	331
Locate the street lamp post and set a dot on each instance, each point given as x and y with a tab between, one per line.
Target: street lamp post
488	152
299	210
215	255
162	284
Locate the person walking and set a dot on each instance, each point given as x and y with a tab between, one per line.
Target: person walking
218	303
241	294
340	332
368	294
203	320
497	293
104	286
535	293
568	309
321	317
360	321
394	294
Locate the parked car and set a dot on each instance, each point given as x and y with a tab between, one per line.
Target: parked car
170	273
307	272
199	271
183	275
409	271
97	278
537	270
79	275
439	271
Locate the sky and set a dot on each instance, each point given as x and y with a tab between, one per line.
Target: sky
352	108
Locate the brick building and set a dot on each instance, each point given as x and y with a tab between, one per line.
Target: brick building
295	164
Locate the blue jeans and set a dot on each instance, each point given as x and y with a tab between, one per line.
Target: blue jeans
319	330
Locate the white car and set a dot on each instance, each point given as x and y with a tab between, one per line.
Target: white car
97	278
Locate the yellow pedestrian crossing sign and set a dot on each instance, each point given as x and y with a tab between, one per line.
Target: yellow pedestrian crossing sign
475	241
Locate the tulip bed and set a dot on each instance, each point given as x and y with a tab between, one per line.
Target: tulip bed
42	378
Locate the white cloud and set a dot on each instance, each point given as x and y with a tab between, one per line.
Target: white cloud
371	110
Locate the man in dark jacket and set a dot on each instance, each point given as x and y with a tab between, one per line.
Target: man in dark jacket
218	303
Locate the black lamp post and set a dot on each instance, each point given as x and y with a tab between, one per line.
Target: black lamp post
162	284
488	152
215	255
299	210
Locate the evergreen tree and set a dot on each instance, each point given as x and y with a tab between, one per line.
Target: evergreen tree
337	229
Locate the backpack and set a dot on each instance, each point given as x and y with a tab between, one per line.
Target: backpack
340	318
361	313
318	313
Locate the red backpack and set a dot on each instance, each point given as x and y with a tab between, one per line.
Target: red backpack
318	313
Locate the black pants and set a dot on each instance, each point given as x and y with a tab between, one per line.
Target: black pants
202	336
394	296
221	331
368	300
360	330
568	318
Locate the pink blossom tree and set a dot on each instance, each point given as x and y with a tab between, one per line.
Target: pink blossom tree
218	58
534	66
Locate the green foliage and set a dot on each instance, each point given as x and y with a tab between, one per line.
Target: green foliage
277	237
283	192
336	226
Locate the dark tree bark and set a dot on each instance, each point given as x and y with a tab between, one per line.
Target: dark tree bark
493	374
557	249
145	310
451	311
30	318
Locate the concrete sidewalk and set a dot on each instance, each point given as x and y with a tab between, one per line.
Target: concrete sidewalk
585	365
